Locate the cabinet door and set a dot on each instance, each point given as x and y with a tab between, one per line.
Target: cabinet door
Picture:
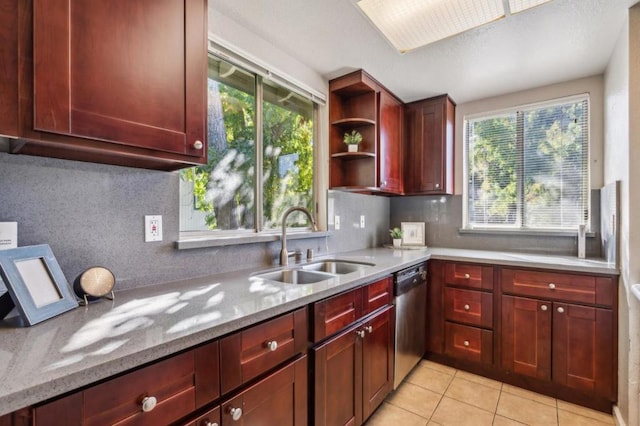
526	336
279	399
377	360
390	153
128	72
429	147
338	380
583	350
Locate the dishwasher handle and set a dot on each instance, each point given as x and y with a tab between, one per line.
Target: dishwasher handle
408	279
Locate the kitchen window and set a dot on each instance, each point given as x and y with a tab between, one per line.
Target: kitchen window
527	169
260	155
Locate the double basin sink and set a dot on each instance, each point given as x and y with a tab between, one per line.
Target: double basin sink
313	272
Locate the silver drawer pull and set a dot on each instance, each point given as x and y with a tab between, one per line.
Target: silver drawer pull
369	329
198	144
466	343
272	345
552	286
561	309
360	333
235	413
209	423
467	307
467	276
543	307
149	403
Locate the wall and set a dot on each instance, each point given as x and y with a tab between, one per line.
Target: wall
591	85
443	219
622	149
92	214
443	215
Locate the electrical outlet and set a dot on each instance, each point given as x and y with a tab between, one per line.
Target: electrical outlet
336	222
362	221
152	228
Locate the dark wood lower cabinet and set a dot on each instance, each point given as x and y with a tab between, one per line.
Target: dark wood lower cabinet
354	371
526	337
571	345
279	399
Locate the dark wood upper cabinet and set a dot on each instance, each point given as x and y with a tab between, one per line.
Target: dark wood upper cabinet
358	102
115	82
389	163
429	146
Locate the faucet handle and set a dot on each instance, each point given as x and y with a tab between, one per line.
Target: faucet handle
297	255
309	254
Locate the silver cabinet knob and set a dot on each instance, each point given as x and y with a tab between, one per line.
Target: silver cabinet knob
560	309
466	343
198	144
369	329
467	307
552	286
437	186
543	308
149	403
210	423
360	333
235	413
467	276
272	345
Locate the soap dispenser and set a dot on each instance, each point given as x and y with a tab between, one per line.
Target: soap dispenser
582	236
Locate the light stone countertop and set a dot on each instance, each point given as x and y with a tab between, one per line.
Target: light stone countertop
91	343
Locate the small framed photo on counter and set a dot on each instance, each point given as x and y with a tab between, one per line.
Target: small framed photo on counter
35	283
412	233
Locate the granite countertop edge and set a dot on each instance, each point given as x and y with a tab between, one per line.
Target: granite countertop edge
29	377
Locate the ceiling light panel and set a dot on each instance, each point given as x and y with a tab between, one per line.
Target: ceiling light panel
409	24
516	6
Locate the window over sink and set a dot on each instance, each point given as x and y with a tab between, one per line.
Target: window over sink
527	168
260	155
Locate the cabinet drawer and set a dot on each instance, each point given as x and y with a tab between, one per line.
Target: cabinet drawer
335	313
377	295
248	353
469	343
559	286
176	383
469	306
469	275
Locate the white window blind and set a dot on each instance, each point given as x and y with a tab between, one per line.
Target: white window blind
528	168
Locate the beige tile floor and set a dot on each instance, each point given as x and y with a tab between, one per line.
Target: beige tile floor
435	394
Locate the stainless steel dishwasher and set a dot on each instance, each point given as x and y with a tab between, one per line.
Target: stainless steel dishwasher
410	291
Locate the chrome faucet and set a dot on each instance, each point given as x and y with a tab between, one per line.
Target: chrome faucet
284	254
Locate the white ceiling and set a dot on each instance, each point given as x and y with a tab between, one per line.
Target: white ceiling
559	41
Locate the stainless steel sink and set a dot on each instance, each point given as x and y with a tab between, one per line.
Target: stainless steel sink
338	267
294	276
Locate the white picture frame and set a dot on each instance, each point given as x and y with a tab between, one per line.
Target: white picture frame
412	233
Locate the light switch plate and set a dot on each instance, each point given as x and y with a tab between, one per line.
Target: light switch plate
8	235
362	221
336	222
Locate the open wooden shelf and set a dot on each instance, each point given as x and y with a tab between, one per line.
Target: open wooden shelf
352	155
355	121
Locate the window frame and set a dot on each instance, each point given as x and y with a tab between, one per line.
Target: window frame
518	228
208	238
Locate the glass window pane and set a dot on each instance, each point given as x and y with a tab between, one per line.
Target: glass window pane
554	173
223	191
492	171
287	155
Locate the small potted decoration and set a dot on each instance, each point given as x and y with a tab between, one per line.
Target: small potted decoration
396	234
352	140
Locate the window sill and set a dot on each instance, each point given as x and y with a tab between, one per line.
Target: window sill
200	240
550	233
